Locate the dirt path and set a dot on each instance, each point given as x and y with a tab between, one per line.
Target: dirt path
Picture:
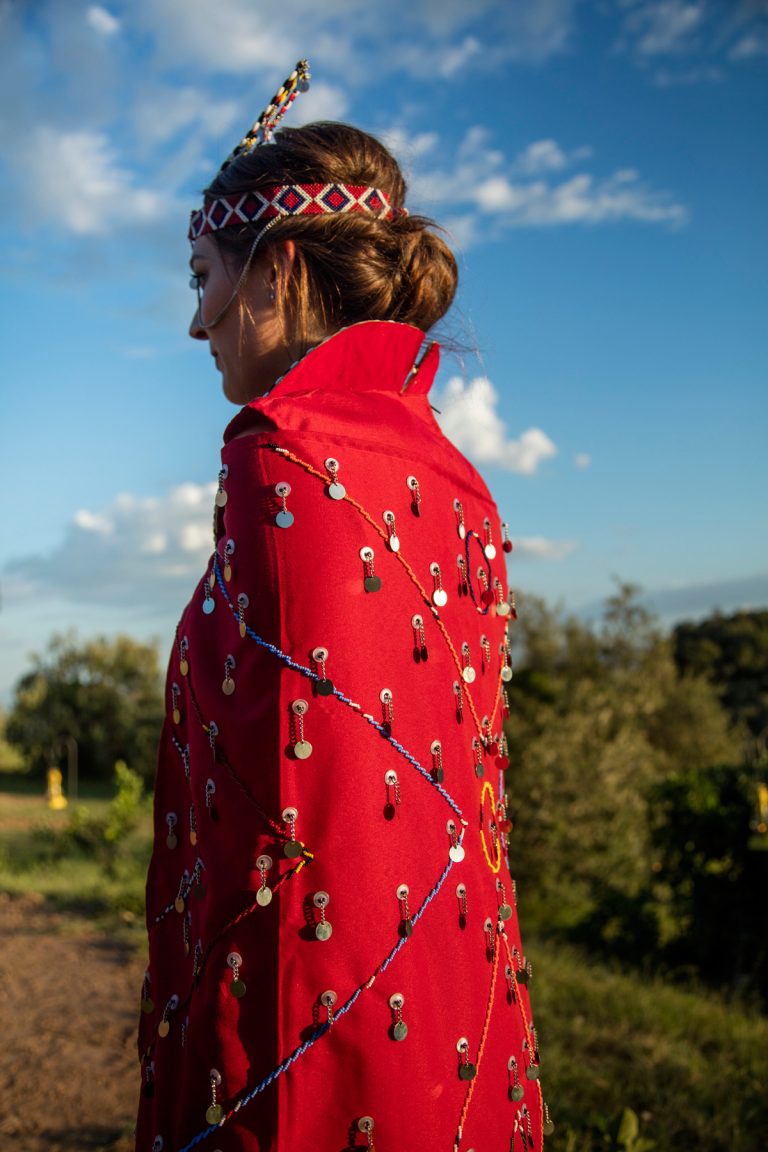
68	1008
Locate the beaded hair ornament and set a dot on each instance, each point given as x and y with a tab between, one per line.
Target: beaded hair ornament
270	203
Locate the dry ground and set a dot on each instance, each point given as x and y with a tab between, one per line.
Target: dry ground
68	1010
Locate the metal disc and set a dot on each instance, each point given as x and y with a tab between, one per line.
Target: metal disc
264	897
171	840
502	609
532	1072
406	928
400	1030
467	1072
456	853
192	837
517	1093
237	988
479	770
302	749
506	673
336	491
468	675
179	904
323	930
440	597
548	1128
163	1028
490	551
292	849
394	543
462	532
284	519
148	1005
504	912
221	498
372	583
438	775
208	605
214	1114
227	573
183	667
176	716
228	686
324	688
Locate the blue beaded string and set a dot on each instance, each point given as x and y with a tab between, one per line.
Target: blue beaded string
323	1028
310	675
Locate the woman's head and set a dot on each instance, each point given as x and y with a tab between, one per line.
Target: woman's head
330	270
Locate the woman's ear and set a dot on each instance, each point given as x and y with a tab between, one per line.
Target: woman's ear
283	255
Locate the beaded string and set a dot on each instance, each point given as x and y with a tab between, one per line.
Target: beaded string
284	452
307	858
526	1022
311	675
483	1036
488	789
325	1027
472	535
278	829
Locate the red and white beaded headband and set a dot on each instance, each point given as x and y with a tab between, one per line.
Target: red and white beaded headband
290	200
285	199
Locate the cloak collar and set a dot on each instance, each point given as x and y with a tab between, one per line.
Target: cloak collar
373	356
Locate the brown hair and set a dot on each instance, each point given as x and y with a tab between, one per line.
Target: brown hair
351	266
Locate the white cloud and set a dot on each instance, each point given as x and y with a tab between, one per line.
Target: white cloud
539	548
663	27
457	57
547	156
160	112
668	26
580	199
533	190
469	417
112	555
102	21
322	102
750	45
582	460
93	522
74	180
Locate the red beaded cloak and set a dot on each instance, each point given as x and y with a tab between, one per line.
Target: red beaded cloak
335	959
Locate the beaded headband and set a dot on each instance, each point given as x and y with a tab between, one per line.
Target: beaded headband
290	200
285	199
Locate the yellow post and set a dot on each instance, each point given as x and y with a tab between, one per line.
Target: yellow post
53	793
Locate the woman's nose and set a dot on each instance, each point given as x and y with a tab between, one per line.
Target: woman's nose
196	330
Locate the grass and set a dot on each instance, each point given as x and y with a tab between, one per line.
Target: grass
691	1064
62	858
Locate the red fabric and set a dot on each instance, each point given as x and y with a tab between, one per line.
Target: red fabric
347	400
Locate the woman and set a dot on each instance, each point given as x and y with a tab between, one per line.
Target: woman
334	953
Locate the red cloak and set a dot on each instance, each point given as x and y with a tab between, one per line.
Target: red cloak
335	959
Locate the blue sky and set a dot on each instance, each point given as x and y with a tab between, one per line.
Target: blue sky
602	172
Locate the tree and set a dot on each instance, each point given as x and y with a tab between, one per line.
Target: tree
599	718
106	694
731	652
